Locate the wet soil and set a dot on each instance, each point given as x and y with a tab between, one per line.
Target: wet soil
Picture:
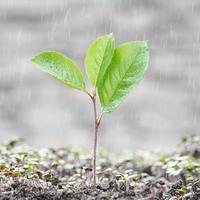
65	173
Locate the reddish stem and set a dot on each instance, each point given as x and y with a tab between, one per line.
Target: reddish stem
96	126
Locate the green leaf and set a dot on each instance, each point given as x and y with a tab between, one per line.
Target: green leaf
61	68
124	73
98	58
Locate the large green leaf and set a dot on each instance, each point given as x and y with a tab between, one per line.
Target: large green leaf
61	68
124	73
98	57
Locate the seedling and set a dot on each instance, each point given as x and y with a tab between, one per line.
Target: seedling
113	72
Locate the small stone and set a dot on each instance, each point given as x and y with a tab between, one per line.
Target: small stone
104	183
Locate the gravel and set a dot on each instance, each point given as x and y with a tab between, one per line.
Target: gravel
65	173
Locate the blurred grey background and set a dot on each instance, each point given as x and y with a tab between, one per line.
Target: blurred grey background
166	104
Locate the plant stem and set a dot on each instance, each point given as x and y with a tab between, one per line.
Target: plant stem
96	127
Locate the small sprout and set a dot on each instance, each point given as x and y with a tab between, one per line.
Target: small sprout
119	177
18	159
184	139
34	176
2	167
135	178
39	174
13	142
24	154
183	190
106	68
76	153
16	173
121	185
47	176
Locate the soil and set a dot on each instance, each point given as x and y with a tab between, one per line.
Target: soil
65	173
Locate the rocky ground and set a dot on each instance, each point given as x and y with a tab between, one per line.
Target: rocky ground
65	173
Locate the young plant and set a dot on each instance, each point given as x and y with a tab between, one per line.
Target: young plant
113	72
